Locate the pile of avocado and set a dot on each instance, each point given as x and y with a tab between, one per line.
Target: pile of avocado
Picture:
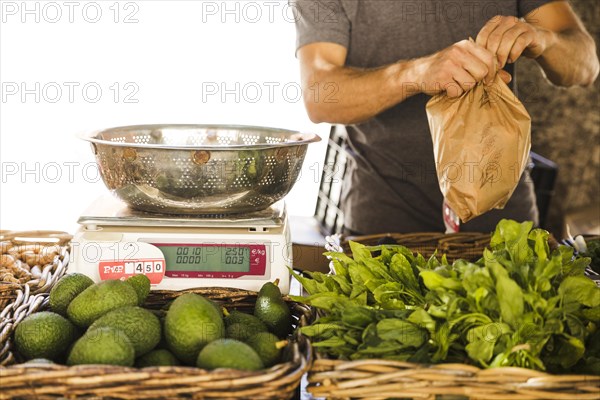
104	323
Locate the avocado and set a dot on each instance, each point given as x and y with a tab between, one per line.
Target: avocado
240	331
229	353
267	346
140	325
192	322
141	284
234	317
157	358
272	310
98	299
241	326
102	346
44	335
66	289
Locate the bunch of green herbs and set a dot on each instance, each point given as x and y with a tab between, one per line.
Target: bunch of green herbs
519	305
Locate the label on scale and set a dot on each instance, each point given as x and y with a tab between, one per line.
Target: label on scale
153	268
121	260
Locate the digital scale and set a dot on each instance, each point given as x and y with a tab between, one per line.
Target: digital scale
179	252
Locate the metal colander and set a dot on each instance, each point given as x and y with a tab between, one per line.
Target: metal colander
199	169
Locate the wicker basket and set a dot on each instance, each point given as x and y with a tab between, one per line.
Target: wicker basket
383	379
29	381
19	299
457	245
50	271
376	379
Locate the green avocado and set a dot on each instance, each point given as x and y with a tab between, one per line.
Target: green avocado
157	358
141	327
99	299
141	284
44	335
102	346
273	311
66	289
267	346
242	332
191	323
229	353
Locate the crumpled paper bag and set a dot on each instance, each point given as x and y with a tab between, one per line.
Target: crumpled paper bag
481	144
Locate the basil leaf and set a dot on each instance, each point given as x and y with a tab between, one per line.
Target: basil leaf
592	314
331	342
390	295
357	317
401	331
319	329
433	281
510	295
579	289
360	253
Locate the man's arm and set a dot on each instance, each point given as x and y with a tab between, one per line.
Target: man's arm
335	93
553	35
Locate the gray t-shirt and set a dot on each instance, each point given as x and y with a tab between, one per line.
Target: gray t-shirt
391	184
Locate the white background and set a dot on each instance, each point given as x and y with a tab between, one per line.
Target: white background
155	62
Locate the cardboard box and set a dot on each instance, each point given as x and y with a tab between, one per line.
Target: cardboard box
308	244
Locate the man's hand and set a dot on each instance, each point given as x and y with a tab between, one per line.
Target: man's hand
457	69
509	38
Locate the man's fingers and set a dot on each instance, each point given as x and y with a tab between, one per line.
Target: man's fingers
491	34
476	68
484	33
463	82
488	58
517	33
495	34
496	38
505	76
453	89
519	46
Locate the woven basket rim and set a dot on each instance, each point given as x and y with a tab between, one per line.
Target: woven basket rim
443	366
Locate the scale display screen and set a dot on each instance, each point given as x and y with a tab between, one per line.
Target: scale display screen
212	260
216	258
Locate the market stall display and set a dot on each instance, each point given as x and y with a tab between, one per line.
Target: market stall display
187	293
391	320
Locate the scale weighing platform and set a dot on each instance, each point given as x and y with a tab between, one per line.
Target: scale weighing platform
179	251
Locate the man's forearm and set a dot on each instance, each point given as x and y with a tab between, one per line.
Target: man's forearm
338	94
570	59
347	95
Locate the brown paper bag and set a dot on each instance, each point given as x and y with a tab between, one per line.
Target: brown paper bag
481	144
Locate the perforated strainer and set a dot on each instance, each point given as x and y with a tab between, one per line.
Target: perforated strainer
199	169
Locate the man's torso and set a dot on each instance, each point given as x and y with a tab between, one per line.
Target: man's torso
392	184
